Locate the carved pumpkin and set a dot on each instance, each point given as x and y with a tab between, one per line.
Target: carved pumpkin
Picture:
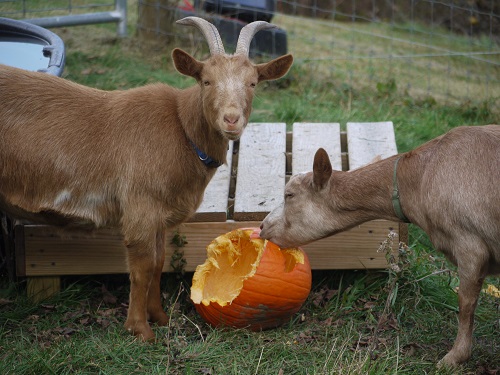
250	282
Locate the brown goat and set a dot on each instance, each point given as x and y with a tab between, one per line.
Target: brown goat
450	187
137	159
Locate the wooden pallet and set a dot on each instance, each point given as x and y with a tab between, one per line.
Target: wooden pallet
240	195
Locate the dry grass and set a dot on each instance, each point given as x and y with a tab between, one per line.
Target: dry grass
441	65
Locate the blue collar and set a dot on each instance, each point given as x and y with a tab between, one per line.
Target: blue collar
207	160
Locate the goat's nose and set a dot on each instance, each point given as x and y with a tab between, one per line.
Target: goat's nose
231	119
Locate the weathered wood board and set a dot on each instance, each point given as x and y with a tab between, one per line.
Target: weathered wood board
214	204
367	140
308	137
260	183
47	253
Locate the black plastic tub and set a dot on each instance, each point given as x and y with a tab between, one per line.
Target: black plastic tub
31	47
245	10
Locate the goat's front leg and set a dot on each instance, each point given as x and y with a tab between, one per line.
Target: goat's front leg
141	258
468	294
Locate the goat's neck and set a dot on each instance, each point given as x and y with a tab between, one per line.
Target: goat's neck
366	192
197	128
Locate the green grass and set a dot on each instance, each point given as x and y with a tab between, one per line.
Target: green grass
343	328
339	330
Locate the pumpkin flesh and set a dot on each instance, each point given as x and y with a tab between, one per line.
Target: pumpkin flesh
250	282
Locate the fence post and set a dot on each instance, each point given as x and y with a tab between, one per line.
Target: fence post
121	8
156	19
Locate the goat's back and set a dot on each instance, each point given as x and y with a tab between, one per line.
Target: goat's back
49	118
465	162
81	152
460	190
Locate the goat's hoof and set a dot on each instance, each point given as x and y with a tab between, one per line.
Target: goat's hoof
160	318
142	331
452	360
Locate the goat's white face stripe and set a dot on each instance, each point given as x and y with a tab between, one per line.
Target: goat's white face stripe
230	84
229	90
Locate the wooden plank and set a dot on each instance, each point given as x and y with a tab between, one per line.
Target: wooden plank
260	182
307	138
51	252
19	249
367	140
214	204
343	150
42	287
353	249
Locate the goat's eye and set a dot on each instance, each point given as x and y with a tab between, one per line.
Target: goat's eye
288	195
253	84
206	83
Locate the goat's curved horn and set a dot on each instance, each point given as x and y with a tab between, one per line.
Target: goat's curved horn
209	32
246	35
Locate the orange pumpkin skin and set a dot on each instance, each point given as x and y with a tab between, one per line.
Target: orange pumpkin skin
269	298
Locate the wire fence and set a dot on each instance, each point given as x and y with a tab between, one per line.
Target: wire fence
421	57
446	50
439	49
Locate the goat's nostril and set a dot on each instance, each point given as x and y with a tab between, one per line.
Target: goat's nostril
261	226
231	119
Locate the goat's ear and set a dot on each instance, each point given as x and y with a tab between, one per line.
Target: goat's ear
322	169
186	64
274	69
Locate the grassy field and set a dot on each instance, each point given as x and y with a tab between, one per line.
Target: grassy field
354	322
421	60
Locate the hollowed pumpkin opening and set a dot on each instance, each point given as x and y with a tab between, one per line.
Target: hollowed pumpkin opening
248	281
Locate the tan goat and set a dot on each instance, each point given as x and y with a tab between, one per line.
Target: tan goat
137	159
450	187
